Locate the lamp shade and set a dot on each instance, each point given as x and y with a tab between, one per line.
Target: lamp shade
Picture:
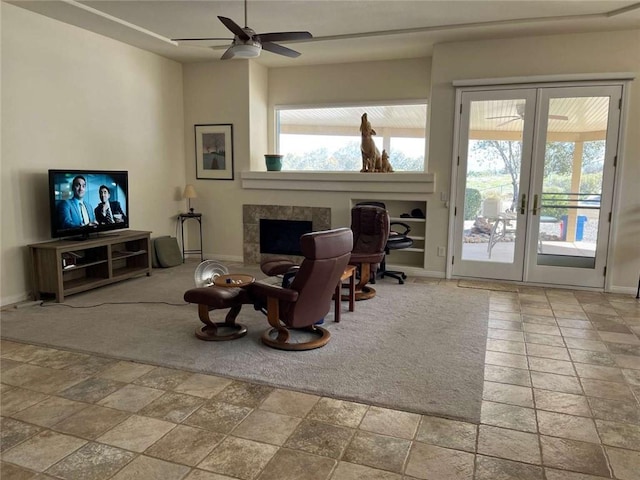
189	192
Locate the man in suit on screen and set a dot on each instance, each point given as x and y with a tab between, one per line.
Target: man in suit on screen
76	211
108	211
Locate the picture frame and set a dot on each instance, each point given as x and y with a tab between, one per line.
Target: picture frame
214	151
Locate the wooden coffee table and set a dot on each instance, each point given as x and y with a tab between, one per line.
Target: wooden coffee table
349	273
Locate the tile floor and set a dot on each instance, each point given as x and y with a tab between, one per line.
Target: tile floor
561	402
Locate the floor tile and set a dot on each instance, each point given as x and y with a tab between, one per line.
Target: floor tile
42	450
237	457
557	383
320	438
287	402
125	371
18	399
91	390
217	416
91	422
515	376
448	433
547	351
13	432
489	468
296	465
508	416
611	390
92	461
131	398
351	471
267	427
146	468
13	472
378	451
244	394
568	403
429	461
615	410
338	412
583	457
509	444
136	433
172	407
618	434
549	365
162	378
390	422
567	426
50	411
511	394
185	445
205	386
625	463
506	360
594	358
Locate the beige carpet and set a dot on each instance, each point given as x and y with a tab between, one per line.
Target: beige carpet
413	347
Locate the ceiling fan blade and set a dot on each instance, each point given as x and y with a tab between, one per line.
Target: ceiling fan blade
201	39
559	117
279	49
284	36
234	28
508	121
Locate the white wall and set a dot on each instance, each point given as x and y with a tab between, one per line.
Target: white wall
236	92
602	52
74	99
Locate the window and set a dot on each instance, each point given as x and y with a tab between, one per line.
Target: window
328	138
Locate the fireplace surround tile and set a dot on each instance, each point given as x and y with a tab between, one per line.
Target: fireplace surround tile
320	218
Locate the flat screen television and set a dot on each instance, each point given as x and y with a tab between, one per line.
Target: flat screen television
84	202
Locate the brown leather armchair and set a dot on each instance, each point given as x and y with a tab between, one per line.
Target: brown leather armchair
370	226
308	298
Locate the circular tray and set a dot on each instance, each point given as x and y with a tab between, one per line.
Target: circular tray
233	280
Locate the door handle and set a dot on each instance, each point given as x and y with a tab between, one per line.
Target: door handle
535	205
523	204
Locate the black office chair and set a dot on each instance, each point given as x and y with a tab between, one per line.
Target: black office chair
397	240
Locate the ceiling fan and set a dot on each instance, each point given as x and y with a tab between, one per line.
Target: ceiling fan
248	44
520	116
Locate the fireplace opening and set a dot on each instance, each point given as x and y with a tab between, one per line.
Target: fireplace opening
282	236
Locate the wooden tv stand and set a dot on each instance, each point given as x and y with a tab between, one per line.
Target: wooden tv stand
65	267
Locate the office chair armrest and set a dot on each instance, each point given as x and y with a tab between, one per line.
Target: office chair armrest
403	225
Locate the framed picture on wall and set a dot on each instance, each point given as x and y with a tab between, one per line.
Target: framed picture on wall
214	151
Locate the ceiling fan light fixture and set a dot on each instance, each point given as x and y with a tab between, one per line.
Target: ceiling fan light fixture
242	50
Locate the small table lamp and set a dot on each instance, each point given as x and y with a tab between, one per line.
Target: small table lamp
189	193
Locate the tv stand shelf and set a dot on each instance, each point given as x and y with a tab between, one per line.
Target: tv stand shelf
65	267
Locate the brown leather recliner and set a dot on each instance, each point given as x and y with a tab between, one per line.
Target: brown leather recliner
370	226
308	299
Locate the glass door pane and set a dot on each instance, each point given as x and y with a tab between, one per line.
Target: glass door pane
493	175
572	184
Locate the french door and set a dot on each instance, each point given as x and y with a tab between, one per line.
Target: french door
534	183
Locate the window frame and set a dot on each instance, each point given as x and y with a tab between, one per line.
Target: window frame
358	104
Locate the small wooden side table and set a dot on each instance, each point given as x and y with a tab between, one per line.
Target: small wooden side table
349	273
232	280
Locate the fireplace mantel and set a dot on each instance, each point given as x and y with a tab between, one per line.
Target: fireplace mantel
397	182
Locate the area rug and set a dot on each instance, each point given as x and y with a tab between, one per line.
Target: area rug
413	347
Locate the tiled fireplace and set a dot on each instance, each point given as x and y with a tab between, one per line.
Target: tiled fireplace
251	215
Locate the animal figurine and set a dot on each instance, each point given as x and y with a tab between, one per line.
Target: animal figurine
386	165
371	157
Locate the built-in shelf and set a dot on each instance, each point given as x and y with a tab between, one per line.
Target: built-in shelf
397	182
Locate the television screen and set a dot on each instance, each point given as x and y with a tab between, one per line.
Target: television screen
88	201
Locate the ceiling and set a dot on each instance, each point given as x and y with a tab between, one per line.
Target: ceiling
344	31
